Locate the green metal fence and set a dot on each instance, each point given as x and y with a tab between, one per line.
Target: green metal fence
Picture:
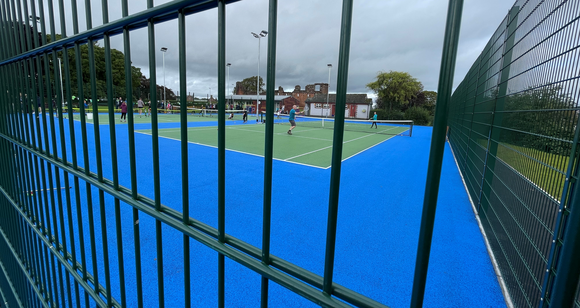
514	129
43	263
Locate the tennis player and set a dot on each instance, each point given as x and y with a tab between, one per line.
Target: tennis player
140	106
245	116
374	121
292	118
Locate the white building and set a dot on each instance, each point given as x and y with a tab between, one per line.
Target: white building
357	106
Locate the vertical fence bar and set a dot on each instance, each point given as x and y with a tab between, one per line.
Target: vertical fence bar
437	147
337	143
499	104
11	35
73	147
18	36
184	154
113	139
155	156
98	153
565	285
269	143
45	169
86	163
4	23
564	281
27	42
221	147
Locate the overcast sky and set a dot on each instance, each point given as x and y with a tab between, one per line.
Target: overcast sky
397	35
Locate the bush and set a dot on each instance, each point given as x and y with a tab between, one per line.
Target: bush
419	115
383	114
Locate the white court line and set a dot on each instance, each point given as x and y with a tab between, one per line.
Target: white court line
252	154
280	134
179	129
330	146
284	160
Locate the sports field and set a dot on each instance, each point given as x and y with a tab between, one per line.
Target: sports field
382	187
308	146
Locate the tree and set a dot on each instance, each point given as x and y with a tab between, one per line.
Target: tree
543	119
395	89
248	85
140	84
426	100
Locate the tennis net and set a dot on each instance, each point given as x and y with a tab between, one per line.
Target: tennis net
386	127
236	114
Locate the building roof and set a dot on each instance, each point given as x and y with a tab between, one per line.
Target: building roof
350	98
253	97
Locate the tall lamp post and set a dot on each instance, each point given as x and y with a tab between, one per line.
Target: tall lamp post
61	88
258	36
164	49
228	82
328	91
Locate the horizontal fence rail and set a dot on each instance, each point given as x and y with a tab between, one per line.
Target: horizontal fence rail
514	126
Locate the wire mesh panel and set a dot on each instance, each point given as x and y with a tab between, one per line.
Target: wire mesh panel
515	138
75	230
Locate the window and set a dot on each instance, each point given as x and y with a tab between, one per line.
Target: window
318	105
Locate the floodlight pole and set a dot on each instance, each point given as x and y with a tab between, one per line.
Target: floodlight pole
228	67
328	91
261	35
61	89
164	49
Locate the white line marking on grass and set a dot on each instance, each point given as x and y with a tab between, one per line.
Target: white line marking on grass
281	134
252	154
188	129
372	146
329	146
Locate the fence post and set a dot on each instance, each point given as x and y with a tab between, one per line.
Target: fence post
437	148
558	287
566	280
338	137
496	119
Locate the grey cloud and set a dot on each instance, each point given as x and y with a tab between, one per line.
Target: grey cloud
386	35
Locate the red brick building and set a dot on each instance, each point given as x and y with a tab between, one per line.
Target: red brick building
284	102
301	95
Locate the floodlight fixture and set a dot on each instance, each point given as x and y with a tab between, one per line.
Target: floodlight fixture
164	49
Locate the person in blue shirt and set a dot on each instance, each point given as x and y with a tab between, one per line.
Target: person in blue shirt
86	107
374	120
292	118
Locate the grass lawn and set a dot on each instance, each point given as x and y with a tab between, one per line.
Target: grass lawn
546	170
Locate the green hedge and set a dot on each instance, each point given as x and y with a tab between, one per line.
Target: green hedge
420	116
383	114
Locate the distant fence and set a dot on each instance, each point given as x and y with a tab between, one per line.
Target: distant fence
513	127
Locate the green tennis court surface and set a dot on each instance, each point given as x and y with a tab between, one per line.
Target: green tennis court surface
307	146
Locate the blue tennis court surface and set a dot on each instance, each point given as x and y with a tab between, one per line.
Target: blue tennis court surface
378	224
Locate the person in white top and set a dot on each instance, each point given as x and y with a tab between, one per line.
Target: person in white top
140	106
